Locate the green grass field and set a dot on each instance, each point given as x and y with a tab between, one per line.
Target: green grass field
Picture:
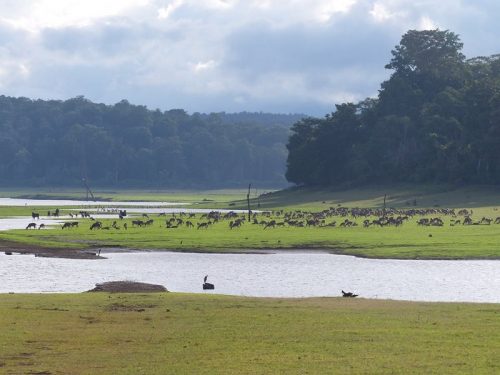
396	196
144	195
172	333
408	241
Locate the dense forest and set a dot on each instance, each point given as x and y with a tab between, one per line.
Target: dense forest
436	119
58	143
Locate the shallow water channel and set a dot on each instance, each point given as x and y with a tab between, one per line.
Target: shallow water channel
20	222
67	202
262	275
37	205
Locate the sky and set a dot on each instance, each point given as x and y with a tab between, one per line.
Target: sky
283	56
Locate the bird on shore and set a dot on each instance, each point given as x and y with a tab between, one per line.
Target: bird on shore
348	294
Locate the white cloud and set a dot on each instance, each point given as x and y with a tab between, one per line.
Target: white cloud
327	9
219	4
166	11
279	55
426	23
12	72
204	65
380	12
262	4
63	13
24	70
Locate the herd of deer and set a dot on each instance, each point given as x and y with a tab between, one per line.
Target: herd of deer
298	218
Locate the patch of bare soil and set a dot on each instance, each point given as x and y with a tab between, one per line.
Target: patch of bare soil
128	287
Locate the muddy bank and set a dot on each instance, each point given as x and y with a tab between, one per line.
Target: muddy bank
49	252
100	253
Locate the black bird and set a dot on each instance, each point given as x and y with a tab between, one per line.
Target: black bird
207	285
348	294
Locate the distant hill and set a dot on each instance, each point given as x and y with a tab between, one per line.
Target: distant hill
57	143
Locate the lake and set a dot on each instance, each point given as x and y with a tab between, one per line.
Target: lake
263	275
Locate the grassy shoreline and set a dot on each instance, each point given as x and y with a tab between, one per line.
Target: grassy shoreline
132	195
184	333
408	241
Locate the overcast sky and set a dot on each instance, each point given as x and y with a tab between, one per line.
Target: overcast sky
292	56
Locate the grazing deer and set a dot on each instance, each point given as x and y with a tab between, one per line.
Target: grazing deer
139	223
96	225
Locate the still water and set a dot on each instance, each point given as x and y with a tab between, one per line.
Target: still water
62	202
262	275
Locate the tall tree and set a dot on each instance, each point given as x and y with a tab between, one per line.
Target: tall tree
436	119
427	55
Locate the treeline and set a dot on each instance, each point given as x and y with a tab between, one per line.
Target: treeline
436	119
54	143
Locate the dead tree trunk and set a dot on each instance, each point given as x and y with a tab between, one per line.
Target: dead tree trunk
248	202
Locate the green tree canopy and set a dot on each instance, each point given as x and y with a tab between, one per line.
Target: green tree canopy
436	119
